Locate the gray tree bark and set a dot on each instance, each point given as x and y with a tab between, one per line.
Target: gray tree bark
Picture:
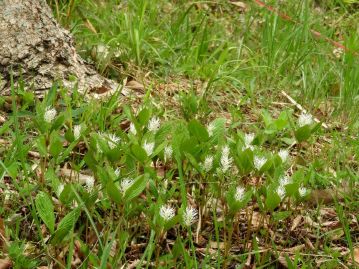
34	48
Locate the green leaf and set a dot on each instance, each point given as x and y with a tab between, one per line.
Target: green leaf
282	121
191	146
272	200
282	215
235	205
114	154
90	160
267	118
244	161
139	153
198	130
113	192
12	169
136	188
67	195
45	209
55	144
218	131
144	116
65	226
106	253
193	161
41	145
59	121
303	133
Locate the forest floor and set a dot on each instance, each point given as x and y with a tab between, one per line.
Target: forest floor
236	147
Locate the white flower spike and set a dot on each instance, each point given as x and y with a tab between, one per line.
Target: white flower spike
208	163
284	155
226	161
248	139
60	188
239	193
89	182
190	216
50	114
133	129
117	172
281	192
259	162
284	181
302	191
167	212
305	119
113	140
154	124
126	183
210	128
77	131
168	153
149	147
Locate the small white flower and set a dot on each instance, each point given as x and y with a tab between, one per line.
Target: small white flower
259	162
102	51
50	114
7	194
338	52
60	188
77	131
133	129
226	161
89	182
305	119
208	163
149	147
225	151
98	146
117	172
284	155
239	193
284	180
154	124
302	191
190	216
126	183
281	192
210	128
113	140
167	212
248	139
168	153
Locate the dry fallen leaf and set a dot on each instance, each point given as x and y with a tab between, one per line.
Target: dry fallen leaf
239	4
309	243
215	245
283	261
331	224
75	176
2	119
296	248
356	254
134	85
308	220
5	263
3	239
296	222
258	221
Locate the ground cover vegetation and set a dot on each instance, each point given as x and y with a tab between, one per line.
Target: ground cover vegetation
235	148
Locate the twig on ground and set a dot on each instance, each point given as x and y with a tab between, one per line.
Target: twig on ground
302	108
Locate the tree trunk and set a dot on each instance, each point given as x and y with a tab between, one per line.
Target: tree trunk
35	49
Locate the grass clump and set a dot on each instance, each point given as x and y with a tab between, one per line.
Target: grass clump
205	165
